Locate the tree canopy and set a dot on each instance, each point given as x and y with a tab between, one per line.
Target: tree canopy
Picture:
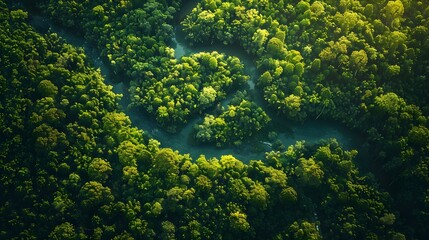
74	167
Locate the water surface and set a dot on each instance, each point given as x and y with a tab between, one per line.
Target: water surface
253	149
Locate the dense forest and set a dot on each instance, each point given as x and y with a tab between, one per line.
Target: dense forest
73	165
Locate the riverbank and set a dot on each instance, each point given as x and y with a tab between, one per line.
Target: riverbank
252	149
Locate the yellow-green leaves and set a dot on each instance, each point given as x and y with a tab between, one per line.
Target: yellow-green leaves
47	89
309	172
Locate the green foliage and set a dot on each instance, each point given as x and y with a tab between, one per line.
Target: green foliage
47	89
419	136
389	103
165	162
238	222
63	231
99	170
241	119
304	230
250	27
358	60
94	194
207	96
289	195
309	172
74	168
194	84
133	38
275	48
393	11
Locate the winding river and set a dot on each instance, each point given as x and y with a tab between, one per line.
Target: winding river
253	149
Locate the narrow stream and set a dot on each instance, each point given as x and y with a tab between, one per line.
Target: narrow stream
254	149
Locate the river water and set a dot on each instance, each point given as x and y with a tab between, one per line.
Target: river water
252	149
